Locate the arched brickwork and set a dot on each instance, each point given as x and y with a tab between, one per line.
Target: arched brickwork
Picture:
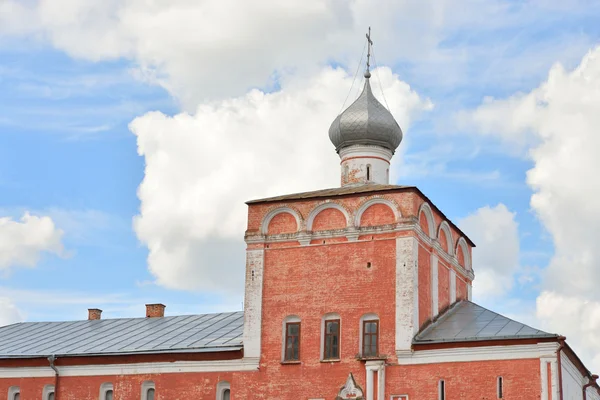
426	220
327	216
445	238
462	253
280	220
377	211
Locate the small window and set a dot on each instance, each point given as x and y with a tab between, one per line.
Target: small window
106	391
108	395
51	396
14	393
148	390
223	391
48	392
500	388
442	390
226	394
17	396
332	340
292	341
370	338
368	172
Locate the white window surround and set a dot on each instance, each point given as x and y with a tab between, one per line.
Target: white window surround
328	317
12	391
399	397
146	385
105	387
366	317
286	320
221	388
47	391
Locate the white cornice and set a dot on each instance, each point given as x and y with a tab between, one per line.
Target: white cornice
246	364
484	353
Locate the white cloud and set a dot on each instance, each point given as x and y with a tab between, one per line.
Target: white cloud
496	258
9	314
561	117
201	168
184	45
22	242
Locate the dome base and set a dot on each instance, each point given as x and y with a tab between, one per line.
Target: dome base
363	164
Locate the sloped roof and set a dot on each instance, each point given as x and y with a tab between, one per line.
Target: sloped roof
333	192
467	322
185	333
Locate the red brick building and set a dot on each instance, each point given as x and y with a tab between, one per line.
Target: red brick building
356	292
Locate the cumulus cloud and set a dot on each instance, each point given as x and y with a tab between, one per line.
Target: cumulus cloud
9	314
496	258
184	44
201	168
561	116
22	242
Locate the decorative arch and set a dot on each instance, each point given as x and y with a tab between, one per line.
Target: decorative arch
264	227
376	200
444	227
428	212
463	247
322	207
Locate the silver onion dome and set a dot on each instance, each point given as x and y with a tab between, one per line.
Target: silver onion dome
365	122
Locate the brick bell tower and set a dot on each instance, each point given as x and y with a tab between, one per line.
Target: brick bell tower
339	281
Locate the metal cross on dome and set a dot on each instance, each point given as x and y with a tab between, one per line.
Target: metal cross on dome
370	43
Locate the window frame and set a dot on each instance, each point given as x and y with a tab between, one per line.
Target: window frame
12	391
146	386
326	335
104	388
47	391
364	334
221	388
287	336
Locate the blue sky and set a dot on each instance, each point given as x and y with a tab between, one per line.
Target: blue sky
68	94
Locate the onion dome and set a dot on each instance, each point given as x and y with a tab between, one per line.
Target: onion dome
365	122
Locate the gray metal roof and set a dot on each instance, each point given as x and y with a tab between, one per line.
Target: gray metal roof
185	333
339	191
467	322
366	122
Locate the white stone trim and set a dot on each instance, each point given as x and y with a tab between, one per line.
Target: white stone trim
449	239
452	286
12	391
245	364
321	207
426	208
376	200
105	387
407	294
264	226
484	353
435	286
221	388
372	367
48	389
253	302
464	247
469	292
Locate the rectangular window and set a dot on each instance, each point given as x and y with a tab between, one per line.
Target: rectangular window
500	387
332	340
292	341
442	388
370	338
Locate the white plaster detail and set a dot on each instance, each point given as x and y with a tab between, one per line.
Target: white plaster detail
376	200
146	386
12	392
286	320
435	287
253	302
48	389
134	369
350	390
483	353
373	367
105	387
452	276
449	239
470	292
462	246
221	388
264	226
313	214
426	209
407	311
355	160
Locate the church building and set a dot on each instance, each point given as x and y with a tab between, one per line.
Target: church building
361	291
